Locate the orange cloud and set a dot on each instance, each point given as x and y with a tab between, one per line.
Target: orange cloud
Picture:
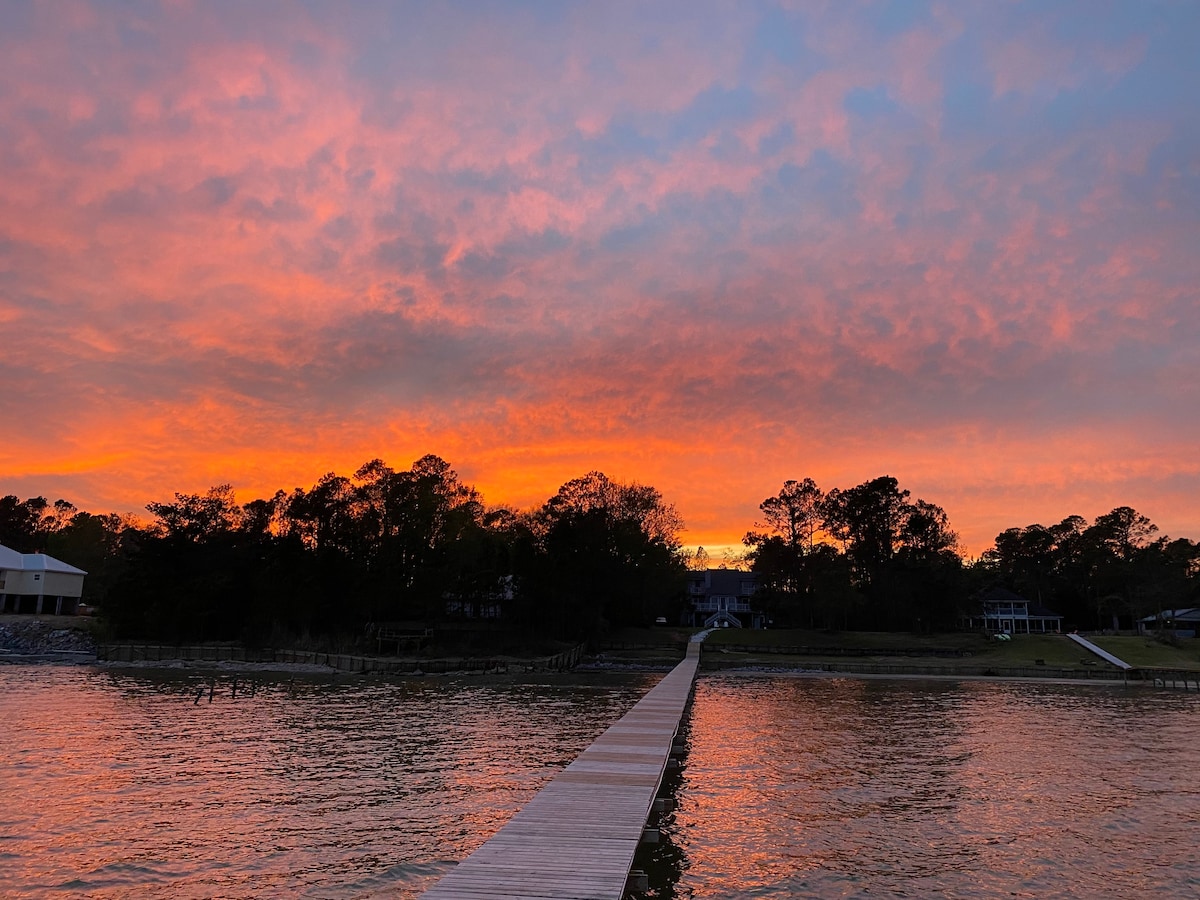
707	254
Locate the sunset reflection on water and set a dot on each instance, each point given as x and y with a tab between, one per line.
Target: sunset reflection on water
121	785
825	787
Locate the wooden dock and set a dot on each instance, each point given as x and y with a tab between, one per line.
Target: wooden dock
576	838
1100	652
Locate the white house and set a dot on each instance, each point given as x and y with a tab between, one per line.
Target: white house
1001	611
37	583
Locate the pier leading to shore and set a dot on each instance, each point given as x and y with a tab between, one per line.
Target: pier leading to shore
577	837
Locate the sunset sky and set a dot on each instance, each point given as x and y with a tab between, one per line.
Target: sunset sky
703	246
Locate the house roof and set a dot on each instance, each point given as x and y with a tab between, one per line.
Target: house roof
723	581
999	594
10	559
1185	615
35	562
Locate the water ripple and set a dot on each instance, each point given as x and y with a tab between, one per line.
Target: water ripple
841	787
122	785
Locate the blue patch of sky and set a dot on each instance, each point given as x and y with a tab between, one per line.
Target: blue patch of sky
777	140
542	12
411	253
995	158
912	192
713	221
823	186
341	228
1076	22
1166	80
898	16
870	103
16	19
728	147
603	70
137	38
710	109
218	190
1171	174
305	55
542	243
111	117
623	140
965	108
485	266
406	42
779	39
778	36
633	236
401	41
127	10
360	181
721	211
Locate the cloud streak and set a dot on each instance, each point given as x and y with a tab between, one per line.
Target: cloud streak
705	248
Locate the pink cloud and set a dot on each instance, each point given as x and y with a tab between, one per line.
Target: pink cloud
536	251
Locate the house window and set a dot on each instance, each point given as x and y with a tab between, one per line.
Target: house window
38	577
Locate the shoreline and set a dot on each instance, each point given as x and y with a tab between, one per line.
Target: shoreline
225	667
930	676
412	668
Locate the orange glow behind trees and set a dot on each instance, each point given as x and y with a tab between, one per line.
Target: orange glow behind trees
253	246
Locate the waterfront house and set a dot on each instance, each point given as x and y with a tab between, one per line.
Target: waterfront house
1180	622
37	583
723	598
1001	611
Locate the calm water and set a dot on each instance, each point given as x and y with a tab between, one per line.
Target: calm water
119	785
818	787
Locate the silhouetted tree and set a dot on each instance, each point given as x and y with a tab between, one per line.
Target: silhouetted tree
780	548
21	523
600	553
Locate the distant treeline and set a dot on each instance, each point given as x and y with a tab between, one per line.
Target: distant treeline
867	557
418	545
379	546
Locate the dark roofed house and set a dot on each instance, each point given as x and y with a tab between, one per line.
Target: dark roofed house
1001	611
1180	622
722	598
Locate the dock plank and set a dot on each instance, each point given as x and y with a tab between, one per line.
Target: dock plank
575	840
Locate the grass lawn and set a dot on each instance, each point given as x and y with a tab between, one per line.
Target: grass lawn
1023	651
1145	651
1057	650
867	640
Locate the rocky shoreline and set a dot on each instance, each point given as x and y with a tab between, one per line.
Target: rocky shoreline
21	641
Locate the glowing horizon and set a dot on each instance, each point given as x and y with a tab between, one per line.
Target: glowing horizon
706	248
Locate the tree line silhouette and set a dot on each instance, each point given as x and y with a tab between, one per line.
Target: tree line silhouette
868	558
379	546
419	545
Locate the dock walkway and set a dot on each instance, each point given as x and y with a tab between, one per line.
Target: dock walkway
1100	652
576	838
